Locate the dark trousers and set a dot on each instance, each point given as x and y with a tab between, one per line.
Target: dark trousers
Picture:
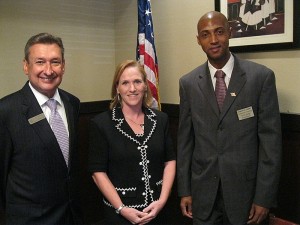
218	215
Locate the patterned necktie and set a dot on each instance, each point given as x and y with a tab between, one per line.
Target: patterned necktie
220	89
59	129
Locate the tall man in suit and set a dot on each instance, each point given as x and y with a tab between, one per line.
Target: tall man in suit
228	156
39	185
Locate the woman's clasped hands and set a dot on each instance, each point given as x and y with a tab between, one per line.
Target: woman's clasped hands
142	217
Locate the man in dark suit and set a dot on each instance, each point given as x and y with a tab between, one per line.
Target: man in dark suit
39	185
229	154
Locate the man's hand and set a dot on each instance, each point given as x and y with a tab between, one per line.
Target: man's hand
257	214
186	206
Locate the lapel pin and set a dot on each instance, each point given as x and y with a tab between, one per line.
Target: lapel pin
233	94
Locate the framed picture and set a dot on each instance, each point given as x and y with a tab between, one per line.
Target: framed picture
262	25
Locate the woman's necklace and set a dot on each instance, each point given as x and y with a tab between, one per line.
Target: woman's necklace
140	124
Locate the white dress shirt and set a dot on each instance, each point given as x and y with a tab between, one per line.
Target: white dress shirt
42	99
227	69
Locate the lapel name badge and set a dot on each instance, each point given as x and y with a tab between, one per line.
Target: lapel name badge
36	118
233	94
245	113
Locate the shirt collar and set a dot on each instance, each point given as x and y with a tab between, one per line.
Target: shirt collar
42	99
227	69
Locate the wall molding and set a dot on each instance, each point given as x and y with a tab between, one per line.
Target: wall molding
290	122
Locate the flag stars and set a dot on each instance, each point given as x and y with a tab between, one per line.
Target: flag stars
147	12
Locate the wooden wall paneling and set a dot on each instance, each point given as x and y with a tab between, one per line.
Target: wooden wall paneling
289	187
91	197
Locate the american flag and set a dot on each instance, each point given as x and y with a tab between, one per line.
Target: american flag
145	51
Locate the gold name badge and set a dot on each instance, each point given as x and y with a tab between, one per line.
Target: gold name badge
36	118
245	113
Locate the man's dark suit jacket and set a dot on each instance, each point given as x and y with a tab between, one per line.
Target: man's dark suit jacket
37	187
244	154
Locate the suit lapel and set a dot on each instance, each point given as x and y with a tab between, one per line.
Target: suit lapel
237	82
70	117
31	108
150	123
206	87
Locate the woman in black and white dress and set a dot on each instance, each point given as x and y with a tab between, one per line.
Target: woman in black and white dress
131	152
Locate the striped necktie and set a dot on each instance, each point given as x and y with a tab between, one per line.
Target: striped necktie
59	129
221	88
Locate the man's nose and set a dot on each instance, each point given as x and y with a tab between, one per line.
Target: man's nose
214	38
48	69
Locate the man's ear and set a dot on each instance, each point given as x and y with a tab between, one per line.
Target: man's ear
198	41
25	66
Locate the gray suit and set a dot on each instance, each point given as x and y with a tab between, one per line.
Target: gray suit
243	154
36	185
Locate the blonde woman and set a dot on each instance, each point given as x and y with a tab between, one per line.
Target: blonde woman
131	152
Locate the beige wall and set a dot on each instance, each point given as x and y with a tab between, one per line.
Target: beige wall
87	30
100	34
178	52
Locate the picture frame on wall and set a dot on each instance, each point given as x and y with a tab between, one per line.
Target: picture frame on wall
262	25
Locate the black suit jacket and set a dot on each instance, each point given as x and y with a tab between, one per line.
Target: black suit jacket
243	153
36	185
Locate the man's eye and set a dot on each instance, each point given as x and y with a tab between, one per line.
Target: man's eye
39	62
204	35
56	63
220	31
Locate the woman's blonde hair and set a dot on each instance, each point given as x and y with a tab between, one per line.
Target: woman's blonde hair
116	98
